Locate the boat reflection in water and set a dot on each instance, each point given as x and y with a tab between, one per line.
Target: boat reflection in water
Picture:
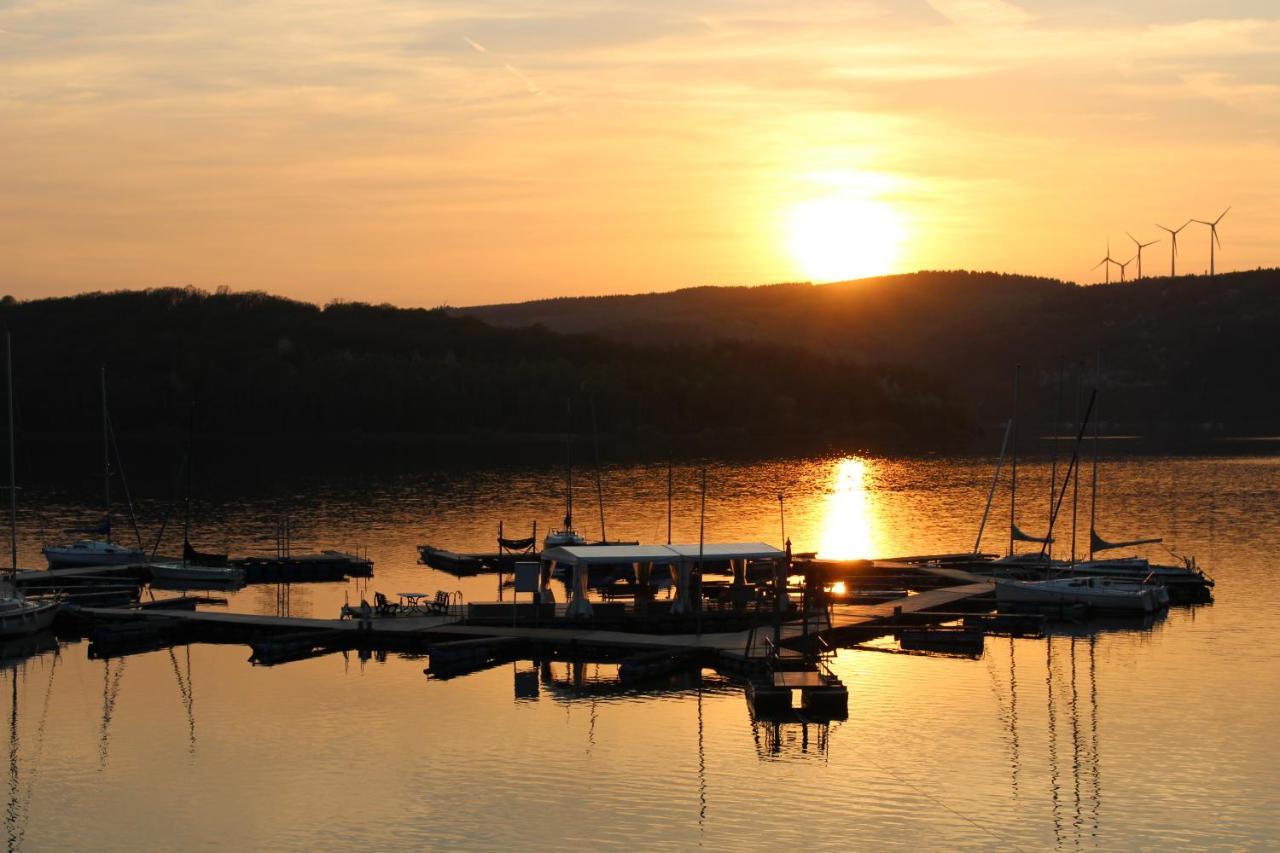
1061	678
20	659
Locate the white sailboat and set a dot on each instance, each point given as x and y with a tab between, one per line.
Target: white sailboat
566	535
1189	583
97	552
1110	594
18	615
1130	595
194	567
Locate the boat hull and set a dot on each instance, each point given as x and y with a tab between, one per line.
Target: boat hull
211	574
1082	592
71	558
28	619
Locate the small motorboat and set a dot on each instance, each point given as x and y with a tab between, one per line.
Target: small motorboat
1113	594
91	552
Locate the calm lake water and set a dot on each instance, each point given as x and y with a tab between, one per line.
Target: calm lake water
1118	736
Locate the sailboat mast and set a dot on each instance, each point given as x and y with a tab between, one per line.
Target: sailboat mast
595	443
568	466
1053	471
106	452
13	474
1013	466
1075	485
995	481
670	478
186	496
1093	498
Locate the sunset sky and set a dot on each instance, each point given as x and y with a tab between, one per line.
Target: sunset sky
468	152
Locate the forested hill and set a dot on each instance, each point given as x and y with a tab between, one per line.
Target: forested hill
255	364
1194	353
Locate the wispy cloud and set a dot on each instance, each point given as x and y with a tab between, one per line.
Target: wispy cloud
276	143
533	88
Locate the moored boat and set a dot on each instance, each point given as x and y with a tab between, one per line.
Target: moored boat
179	571
1111	594
91	552
20	615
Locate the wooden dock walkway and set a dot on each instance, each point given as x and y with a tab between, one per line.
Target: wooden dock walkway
740	643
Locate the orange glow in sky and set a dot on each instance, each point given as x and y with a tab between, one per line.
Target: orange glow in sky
464	153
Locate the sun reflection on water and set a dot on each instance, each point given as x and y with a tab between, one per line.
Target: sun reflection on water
846	522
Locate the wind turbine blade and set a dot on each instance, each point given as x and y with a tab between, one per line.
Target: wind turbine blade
1224	213
1131	237
1100	263
1216	239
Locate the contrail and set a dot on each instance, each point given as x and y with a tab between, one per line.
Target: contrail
534	88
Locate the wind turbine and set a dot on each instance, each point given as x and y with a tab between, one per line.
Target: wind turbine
1173	255
1108	260
1140	246
1123	266
1213	235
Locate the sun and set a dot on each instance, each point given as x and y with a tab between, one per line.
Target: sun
839	237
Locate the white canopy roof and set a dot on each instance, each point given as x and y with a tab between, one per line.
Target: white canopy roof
730	551
587	555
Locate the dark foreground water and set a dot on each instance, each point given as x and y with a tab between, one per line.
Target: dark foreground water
1113	737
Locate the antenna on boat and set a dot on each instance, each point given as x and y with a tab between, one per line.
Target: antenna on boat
13	475
782	515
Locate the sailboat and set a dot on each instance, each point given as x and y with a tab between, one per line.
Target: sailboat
96	552
194	566
566	534
1185	583
1014	560
1099	593
18	615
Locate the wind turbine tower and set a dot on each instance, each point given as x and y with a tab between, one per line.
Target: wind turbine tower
1173	254
1213	235
1108	260
1140	246
1123	266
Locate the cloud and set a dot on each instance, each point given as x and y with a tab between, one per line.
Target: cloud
533	88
